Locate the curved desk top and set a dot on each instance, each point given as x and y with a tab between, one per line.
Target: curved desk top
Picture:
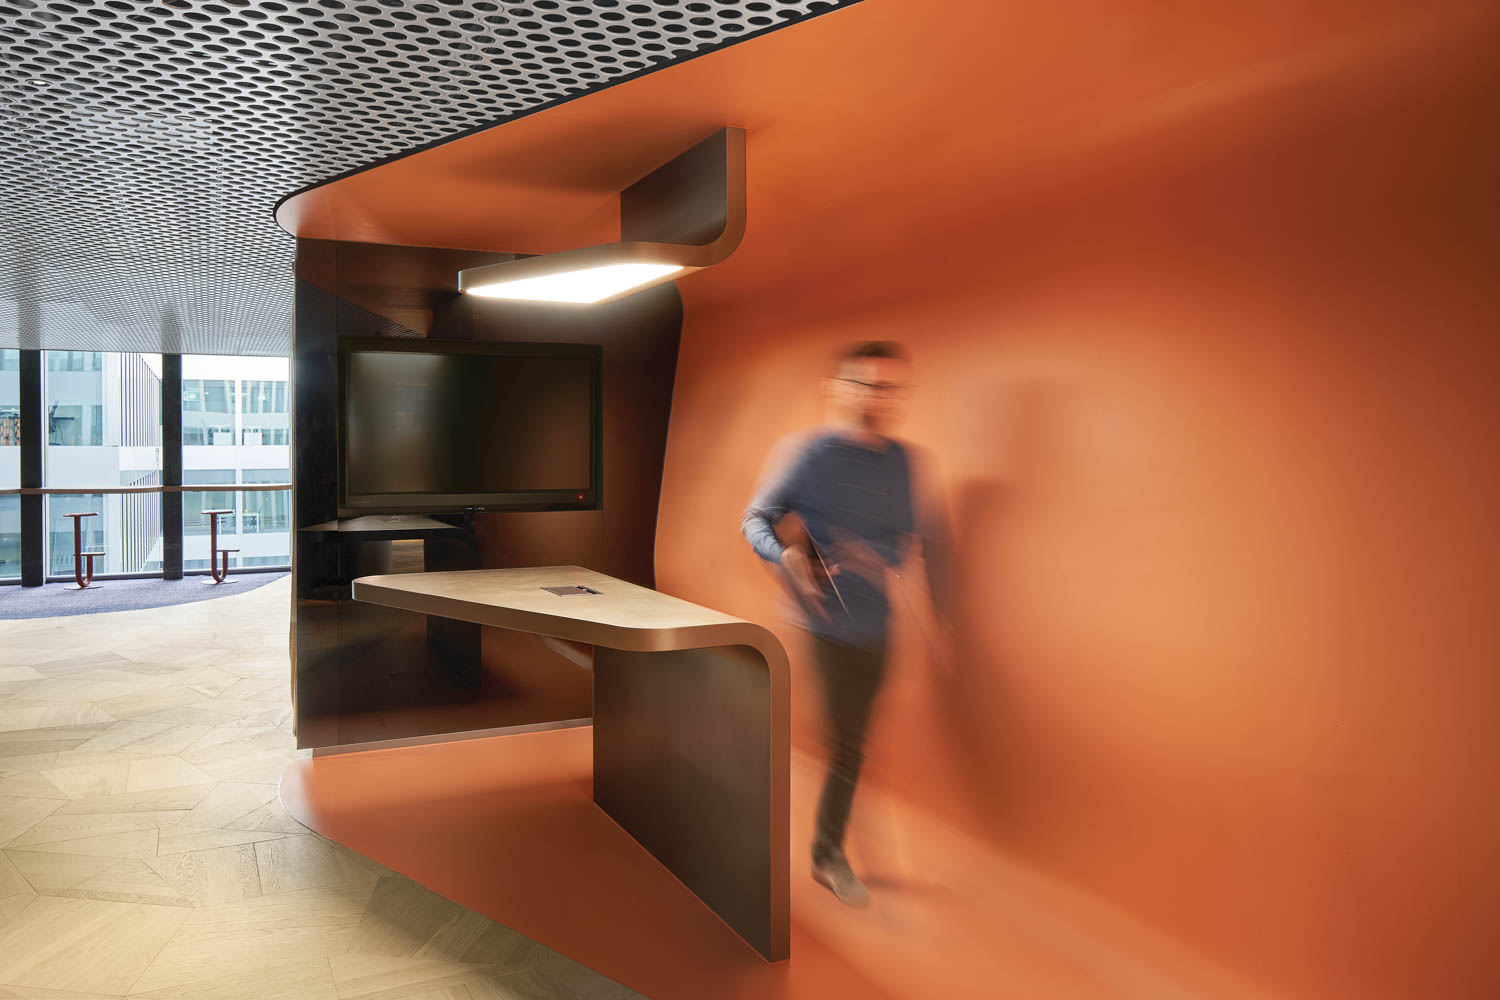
621	615
691	740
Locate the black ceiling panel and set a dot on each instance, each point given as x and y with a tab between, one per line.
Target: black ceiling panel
142	145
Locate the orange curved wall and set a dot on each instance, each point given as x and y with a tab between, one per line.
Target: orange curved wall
1203	303
1215	396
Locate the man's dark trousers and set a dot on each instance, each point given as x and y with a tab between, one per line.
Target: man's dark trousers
851	677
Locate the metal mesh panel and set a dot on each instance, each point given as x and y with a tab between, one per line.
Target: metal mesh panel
146	143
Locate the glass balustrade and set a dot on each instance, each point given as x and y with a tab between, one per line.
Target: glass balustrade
101	428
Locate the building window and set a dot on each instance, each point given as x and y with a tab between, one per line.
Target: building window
103	427
100	423
10	463
195	502
95	532
263	396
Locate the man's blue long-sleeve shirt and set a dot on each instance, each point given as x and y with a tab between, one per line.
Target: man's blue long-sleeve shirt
844	491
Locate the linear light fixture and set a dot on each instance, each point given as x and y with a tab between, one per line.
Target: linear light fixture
682	217
586	285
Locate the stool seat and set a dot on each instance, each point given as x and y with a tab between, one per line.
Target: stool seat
228	550
92	552
85	513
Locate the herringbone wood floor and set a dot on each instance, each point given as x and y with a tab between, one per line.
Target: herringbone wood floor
144	853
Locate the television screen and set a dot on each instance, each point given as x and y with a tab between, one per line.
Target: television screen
447	425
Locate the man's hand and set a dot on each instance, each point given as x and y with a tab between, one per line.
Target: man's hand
797	570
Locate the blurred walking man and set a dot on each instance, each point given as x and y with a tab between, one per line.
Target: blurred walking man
835	518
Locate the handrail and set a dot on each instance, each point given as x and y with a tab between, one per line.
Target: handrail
195	488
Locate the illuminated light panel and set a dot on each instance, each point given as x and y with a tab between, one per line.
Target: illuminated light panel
590	284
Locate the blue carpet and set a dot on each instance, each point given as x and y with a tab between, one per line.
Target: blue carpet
57	599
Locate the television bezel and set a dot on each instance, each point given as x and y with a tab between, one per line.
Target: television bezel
353	505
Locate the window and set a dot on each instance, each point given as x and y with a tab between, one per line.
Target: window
264	415
75	361
99	425
270	510
102	415
244	417
10	537
10	463
95	532
195	502
259	527
65	425
262	396
217	395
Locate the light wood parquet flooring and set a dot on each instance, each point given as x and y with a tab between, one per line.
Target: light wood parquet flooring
144	852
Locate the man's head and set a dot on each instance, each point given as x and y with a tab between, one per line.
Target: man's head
869	385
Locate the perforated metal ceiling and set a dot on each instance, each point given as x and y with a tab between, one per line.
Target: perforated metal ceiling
143	145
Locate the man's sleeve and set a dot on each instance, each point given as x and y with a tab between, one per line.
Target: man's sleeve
773	499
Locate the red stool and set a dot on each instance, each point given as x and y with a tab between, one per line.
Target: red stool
79	555
214	552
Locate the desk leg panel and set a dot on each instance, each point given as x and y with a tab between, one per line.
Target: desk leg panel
688	759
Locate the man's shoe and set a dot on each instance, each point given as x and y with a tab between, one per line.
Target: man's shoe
836	874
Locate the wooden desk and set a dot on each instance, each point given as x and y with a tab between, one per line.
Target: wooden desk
691	728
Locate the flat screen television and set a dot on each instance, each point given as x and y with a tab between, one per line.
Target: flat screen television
435	425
